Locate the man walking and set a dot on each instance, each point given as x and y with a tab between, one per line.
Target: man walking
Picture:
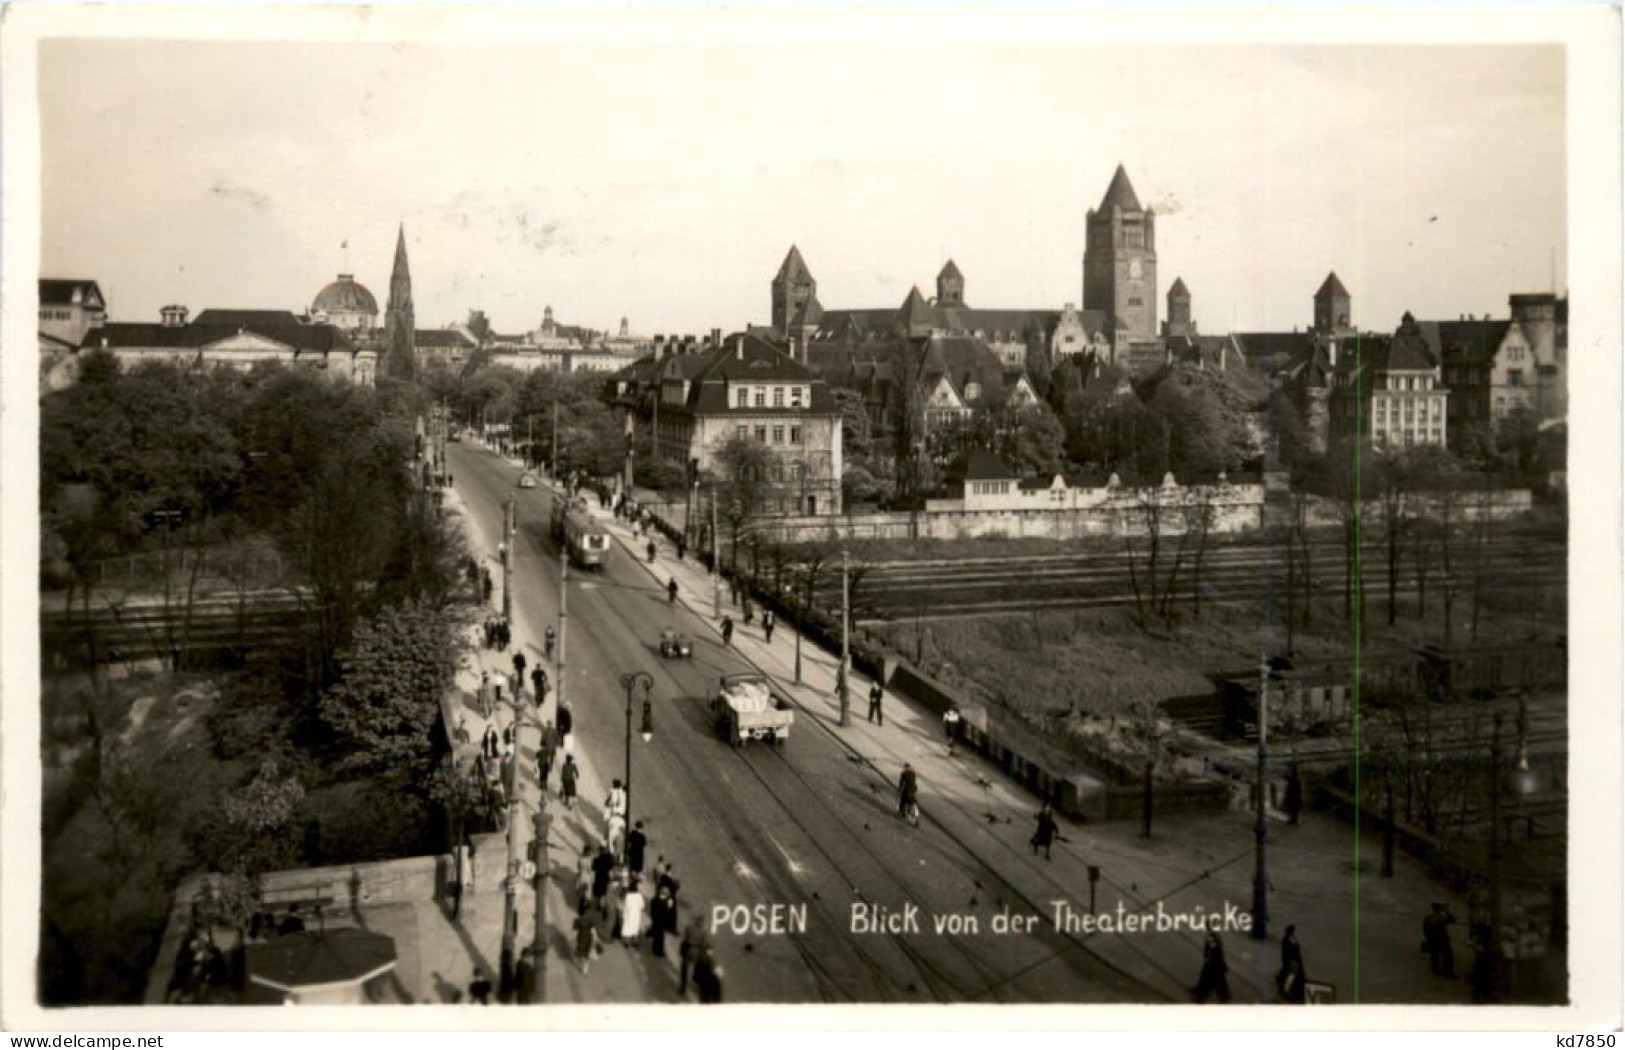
519	664
662	920
1213	979
908	789
727	630
767	626
1045	835
566	724
1436	941
876	693
696	944
538	685
567	781
950	728
602	866
636	843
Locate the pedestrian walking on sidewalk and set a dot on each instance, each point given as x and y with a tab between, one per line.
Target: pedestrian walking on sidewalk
1292	984
950	728
682	545
1214	979
615	804
636	843
727	630
651	552
708	979
603	866
696	944
586	927
617	833
567	782
549	638
1291	954
485	694
767	626
1045	835
662	920
488	743
666	879
1436	941
632	914
519	665
750	612
567	721
509	768
583	877
671	591
547	752
485	583
538	685
876	694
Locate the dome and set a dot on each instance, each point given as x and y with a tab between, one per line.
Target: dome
345	296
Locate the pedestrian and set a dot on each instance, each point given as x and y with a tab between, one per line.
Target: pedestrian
636	843
485	583
488	743
479	989
504	637
950	727
507	734
485	694
708	979
614	899
586	927
584	877
876	693
1045	835
1436	941
651	552
538	685
750	612
908	789
671	590
667	879
615	804
547	752
1291	955
1294	795
727	630
496	700
1213	980
632	914
509	766
567	781
617	833
489	636
767	626
662	920
603	864
696	944
549	639
567	721
519	664
682	545
525	977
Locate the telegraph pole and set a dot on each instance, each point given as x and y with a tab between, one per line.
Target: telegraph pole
507	559
543	827
846	627
716	566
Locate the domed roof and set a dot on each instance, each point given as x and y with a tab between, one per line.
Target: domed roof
345	296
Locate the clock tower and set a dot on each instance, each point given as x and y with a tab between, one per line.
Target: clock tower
1120	263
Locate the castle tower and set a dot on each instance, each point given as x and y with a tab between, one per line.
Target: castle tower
399	321
1179	321
950	286
792	289
1333	308
1120	263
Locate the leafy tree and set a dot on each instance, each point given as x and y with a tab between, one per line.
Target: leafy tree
1033	441
906	411
384	707
743	486
253	830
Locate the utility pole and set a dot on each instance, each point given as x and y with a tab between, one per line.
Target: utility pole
507	558
716	566
510	889
542	824
564	614
846	629
553	449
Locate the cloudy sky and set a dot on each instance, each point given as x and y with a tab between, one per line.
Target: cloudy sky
665	183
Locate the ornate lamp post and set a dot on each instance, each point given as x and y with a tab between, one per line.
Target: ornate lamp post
630	681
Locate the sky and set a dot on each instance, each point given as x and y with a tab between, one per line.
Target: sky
666	183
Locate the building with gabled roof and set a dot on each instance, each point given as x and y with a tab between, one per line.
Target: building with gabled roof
1388	391
325	348
746	387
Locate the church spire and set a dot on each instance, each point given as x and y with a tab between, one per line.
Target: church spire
399	320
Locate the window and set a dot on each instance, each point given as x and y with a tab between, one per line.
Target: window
778	397
1515	354
778	433
1514	377
798	471
795	397
795	433
742	399
739	430
761	433
1135	300
761	398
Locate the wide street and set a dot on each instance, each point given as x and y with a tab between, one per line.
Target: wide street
810	826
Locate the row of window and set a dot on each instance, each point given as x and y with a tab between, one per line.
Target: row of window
56	315
756	396
777	431
1410	382
990	488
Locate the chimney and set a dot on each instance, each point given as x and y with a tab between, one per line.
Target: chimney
739	349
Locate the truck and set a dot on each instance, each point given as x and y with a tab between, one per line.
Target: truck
747	707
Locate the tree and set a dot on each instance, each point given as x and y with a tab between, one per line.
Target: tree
384	707
253	829
1344	476
1034	441
906	411
743	486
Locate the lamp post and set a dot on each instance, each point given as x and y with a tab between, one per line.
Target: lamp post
844	674
1521	781
630	681
1269	669
507	559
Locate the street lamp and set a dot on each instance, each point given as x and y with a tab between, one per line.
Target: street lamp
1269	669
1521	781
630	681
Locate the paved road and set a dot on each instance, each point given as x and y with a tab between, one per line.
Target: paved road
810	825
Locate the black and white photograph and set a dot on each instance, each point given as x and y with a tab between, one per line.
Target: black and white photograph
641	509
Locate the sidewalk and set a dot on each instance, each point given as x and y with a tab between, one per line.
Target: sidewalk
1320	879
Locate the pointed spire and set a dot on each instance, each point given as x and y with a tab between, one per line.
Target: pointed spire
794	266
1332	288
1178	290
950	270
1120	194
